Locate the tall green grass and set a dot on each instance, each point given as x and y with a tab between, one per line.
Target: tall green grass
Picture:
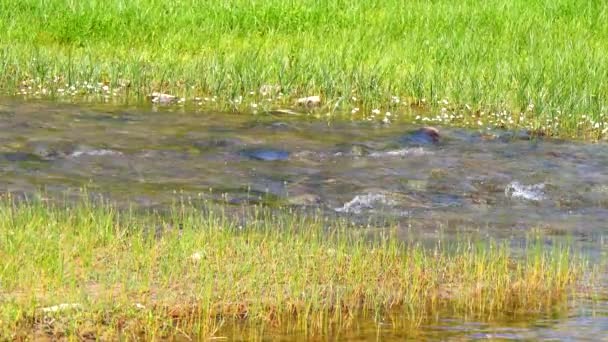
541	64
193	271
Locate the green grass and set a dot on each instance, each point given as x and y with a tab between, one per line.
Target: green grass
541	65
282	270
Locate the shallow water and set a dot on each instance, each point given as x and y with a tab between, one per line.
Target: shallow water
498	184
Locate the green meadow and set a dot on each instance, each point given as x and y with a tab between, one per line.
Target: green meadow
90	270
540	65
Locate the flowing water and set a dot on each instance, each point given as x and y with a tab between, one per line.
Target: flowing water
498	184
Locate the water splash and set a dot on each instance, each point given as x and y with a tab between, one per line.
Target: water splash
365	202
532	192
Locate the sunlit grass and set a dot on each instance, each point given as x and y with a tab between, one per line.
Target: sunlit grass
193	271
541	65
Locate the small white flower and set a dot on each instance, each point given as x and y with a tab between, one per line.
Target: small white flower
196	256
376	111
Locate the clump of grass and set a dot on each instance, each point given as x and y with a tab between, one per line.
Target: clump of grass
539	65
121	273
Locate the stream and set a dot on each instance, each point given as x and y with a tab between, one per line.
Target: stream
487	183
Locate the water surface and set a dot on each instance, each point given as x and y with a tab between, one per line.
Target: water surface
490	183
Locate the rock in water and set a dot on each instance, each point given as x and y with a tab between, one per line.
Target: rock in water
310	101
422	136
162	98
265	154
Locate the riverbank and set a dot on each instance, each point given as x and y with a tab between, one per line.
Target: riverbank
510	64
90	270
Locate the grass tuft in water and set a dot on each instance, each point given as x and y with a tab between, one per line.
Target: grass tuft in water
92	271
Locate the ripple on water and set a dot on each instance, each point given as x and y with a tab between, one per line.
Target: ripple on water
265	154
19	156
404	152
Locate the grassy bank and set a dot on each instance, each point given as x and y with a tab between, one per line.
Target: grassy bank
540	64
91	271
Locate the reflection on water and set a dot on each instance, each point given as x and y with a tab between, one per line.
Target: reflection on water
493	184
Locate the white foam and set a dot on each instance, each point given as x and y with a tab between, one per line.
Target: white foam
363	202
417	151
95	153
532	192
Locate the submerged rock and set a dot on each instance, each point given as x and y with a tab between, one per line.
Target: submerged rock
265	154
422	136
515	135
212	143
352	150
19	156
